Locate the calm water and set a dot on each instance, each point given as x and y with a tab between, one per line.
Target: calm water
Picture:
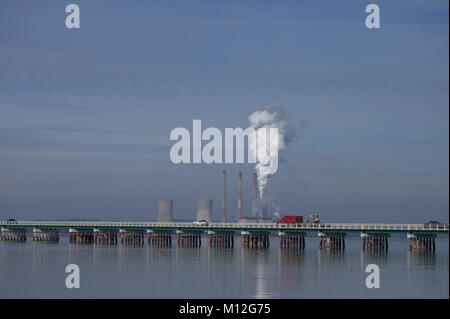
37	270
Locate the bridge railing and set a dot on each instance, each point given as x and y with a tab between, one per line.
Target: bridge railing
237	226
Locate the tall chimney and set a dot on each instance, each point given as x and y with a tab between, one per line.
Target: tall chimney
239	212
224	196
254	186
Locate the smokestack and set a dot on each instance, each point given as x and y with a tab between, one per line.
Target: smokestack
204	209
224	196
265	210
254	177
239	212
165	210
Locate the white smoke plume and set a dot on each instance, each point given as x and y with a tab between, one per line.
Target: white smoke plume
276	213
272	116
259	206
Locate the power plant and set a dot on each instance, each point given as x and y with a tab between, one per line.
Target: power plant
204	206
255	231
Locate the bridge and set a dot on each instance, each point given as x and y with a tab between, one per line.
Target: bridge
254	235
270	227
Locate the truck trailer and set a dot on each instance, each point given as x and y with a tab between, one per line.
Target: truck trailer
291	220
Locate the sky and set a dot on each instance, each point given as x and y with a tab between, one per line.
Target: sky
86	114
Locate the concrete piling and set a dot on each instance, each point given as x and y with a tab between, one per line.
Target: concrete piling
159	238
14	234
105	237
292	240
131	237
422	242
77	236
47	235
375	241
221	240
189	239
255	240
332	241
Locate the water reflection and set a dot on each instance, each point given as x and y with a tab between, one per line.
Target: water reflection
290	257
205	272
326	256
374	257
420	259
222	261
259	274
290	267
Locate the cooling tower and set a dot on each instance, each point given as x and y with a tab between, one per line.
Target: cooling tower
165	210
204	209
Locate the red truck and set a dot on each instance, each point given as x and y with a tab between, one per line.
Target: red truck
291	220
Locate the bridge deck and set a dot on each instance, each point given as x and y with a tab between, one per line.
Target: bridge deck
328	227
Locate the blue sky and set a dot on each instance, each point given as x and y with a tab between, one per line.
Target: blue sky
86	114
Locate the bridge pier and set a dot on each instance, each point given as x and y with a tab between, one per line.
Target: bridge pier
105	237
189	239
375	241
255	240
221	239
131	237
424	242
48	235
81	236
159	238
334	241
14	234
292	240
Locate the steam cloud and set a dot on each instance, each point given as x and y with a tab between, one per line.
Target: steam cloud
272	116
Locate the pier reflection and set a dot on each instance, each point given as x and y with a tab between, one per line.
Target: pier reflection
291	267
254	273
222	260
121	271
259	273
290	257
378	257
420	258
